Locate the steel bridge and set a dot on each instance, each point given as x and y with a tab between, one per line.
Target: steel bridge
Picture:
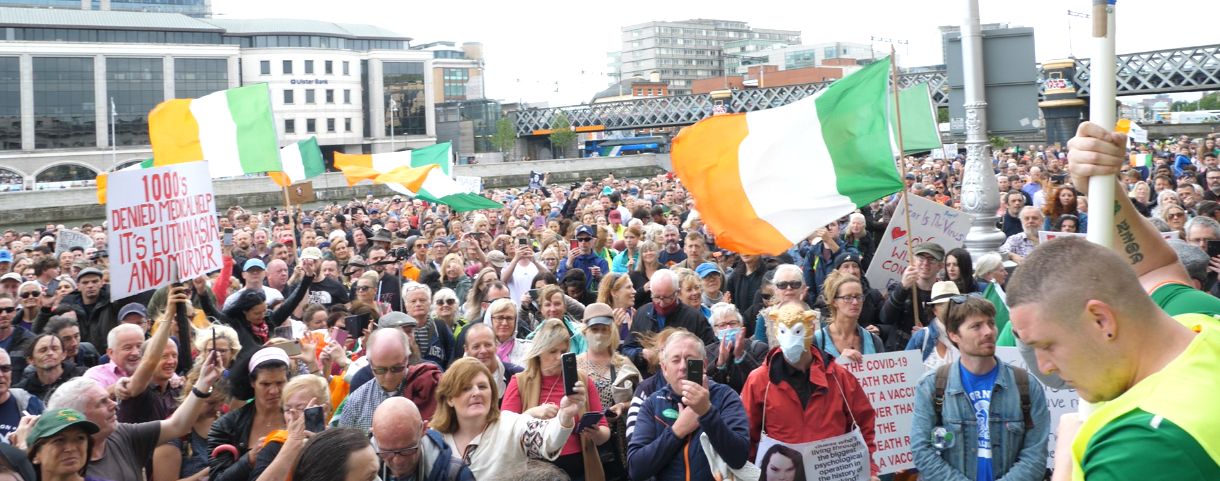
1185	69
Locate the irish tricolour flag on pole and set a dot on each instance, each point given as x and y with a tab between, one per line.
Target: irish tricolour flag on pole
765	180
301	160
232	129
422	173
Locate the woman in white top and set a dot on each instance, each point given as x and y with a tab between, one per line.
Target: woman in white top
489	440
503	320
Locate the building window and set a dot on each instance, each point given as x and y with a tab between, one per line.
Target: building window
64	103
454	80
347	124
289	96
309	66
330	125
136	86
287	67
309	99
264	67
347	96
310	126
329	67
347	70
290	126
330	96
404	83
10	113
196	77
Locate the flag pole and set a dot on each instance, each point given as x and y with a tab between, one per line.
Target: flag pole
1102	112
292	221
906	203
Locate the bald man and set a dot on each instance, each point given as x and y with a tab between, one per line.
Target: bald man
389	351
408	450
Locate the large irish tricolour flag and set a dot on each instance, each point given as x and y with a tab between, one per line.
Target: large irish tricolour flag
232	129
764	180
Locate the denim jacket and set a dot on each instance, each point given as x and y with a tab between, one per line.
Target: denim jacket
1017	454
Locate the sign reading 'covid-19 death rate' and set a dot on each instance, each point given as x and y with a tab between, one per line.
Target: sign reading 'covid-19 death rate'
160	218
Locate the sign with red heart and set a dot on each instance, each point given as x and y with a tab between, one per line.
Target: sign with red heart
930	222
897	232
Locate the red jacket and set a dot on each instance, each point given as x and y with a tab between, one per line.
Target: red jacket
824	417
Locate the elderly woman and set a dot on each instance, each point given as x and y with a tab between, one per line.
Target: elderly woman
734	355
990	269
445	308
843	336
488	439
503	319
453	275
690	291
30	304
60	445
1175	216
235	437
551	304
542	383
301	393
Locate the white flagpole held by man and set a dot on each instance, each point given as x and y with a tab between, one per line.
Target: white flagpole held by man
1102	110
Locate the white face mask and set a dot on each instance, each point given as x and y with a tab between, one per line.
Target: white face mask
791	341
598	341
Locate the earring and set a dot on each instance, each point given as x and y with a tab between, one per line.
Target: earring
1110	334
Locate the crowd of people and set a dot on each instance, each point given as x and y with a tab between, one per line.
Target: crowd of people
391	339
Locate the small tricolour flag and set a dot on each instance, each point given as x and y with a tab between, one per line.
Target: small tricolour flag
232	129
301	160
765	180
429	165
1141	160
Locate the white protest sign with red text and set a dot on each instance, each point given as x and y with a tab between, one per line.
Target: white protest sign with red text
889	380
1058	401
160	217
930	222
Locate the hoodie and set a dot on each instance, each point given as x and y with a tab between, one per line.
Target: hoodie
436	462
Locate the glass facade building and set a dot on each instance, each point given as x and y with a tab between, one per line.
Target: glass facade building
196	77
10	103
64	103
455	80
194	8
404	83
135	85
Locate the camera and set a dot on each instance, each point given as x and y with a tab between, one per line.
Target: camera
400	253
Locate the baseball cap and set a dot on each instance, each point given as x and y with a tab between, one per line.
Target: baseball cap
598	314
51	423
253	264
287	240
585	230
496	258
6	256
931	248
311	253
12	276
133	308
89	271
706	269
396	319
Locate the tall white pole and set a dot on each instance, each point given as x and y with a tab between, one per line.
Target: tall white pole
980	190
1102	111
114	155
393	108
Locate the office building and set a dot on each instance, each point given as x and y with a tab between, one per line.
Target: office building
194	8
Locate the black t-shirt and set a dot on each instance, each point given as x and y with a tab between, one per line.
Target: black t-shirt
326	292
666	259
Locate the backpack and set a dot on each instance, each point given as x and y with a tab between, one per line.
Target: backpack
1020	376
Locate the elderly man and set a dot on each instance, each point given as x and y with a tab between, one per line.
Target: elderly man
14	402
121	450
277	275
124	346
408	450
1018	246
481	344
434	338
149	394
389	351
671	421
664	311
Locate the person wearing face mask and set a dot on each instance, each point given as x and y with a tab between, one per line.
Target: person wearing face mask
734	355
801	399
614	377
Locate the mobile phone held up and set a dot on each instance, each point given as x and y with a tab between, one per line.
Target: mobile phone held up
570	374
315	419
694	371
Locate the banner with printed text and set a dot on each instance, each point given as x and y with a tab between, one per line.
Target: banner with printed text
1058	401
889	380
160	218
930	222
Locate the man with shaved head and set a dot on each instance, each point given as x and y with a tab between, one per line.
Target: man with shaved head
408	450
389	351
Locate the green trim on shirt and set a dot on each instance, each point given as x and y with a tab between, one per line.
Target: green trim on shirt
1138	446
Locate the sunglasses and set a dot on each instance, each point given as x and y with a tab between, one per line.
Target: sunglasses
789	285
442	302
380	371
27	295
584	239
7	310
363	288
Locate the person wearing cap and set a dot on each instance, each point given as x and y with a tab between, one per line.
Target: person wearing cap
898	313
389	354
1018	246
382	238
6	261
712	279
614	376
935	348
253	273
150	393
136	314
583	257
10	282
60	443
322	288
234	439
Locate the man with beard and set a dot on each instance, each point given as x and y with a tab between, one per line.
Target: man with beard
324	290
898	313
1018	246
672	253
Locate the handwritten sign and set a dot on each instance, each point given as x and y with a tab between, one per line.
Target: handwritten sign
1046	235
66	239
472	184
930	222
890	380
1058	401
160	217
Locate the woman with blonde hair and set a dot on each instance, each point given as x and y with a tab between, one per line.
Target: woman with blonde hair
453	275
444	308
299	395
843	336
503	321
366	291
649	255
473	309
490	440
617	291
542	383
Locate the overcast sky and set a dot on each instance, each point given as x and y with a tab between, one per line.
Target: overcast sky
556	51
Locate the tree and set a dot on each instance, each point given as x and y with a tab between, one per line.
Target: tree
999	143
562	135
505	137
1209	101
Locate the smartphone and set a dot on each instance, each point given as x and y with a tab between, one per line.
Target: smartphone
227	238
587	420
283	332
339	336
213	338
173	274
574	244
292	348
521	241
570	375
315	419
534	294
694	371
1213	248
356	324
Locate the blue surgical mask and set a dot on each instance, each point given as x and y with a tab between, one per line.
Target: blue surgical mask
727	335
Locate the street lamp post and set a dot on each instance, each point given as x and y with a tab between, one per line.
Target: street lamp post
393	110
980	190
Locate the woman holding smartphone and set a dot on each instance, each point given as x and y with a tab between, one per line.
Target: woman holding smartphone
305	397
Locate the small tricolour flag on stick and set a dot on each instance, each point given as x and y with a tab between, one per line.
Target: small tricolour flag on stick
232	129
421	173
301	160
1141	160
765	180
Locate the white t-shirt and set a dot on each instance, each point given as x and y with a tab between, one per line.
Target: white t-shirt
272	296
523	277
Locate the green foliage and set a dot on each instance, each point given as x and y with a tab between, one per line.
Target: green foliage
999	143
562	135
505	137
1210	101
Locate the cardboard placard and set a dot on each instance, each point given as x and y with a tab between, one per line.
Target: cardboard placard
470	183
930	222
301	193
66	239
890	380
1058	401
159	217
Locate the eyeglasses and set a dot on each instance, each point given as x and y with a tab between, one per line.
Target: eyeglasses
789	285
29	294
1176	215
363	288
503	319
441	302
582	240
380	371
851	299
489	301
386	454
6	368
766	297
669	298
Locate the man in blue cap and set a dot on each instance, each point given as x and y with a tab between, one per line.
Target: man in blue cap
582	257
253	272
6	261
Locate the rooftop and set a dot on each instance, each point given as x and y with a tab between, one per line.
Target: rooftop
287	26
68	18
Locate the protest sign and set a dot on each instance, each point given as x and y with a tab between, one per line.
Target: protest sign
472	184
930	222
1046	235
66	239
890	380
160	217
1058	401
301	193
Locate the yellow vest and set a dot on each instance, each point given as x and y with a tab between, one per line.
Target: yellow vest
1173	393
